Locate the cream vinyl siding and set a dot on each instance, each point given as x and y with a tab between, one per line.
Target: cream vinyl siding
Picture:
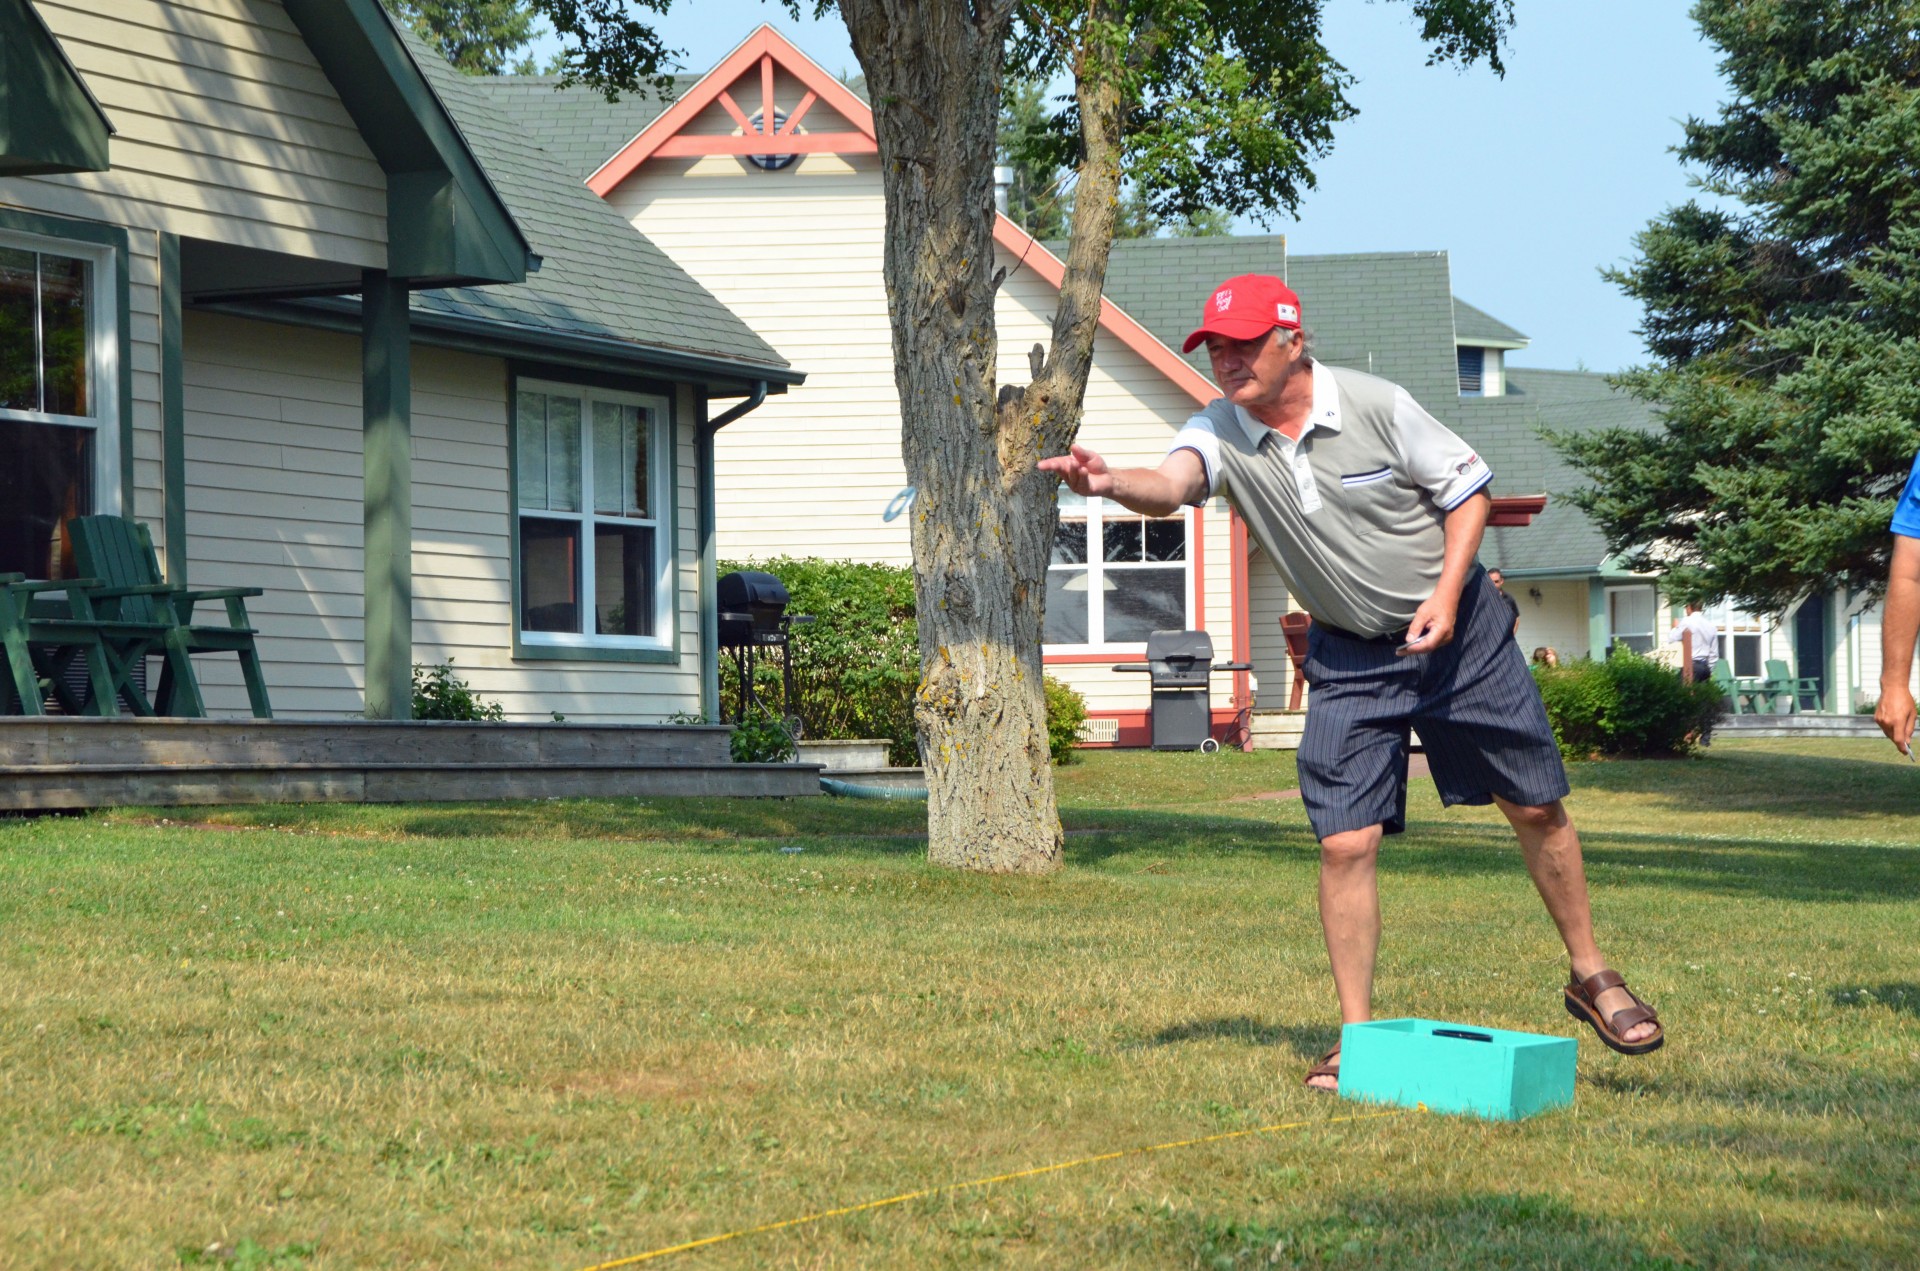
274	482
227	130
1267	599
1559	620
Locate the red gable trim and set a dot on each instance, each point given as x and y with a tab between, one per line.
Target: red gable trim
765	48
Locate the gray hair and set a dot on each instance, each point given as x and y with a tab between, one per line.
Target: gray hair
1304	335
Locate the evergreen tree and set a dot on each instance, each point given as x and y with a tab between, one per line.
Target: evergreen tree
1041	197
479	37
1785	321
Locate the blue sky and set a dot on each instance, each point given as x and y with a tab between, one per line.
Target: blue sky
1531	183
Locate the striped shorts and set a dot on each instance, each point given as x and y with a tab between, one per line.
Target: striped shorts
1473	702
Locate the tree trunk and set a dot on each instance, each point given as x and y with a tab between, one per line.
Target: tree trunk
984	517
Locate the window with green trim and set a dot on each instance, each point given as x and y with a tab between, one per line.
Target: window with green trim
58	417
593	486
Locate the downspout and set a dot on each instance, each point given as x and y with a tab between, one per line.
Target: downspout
704	429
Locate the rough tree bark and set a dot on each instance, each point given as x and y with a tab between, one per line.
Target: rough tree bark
984	518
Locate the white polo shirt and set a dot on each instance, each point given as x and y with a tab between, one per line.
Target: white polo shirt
1352	513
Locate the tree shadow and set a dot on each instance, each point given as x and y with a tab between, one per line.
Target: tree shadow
1770	868
1774	784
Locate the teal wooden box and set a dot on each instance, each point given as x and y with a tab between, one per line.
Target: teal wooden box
1490	1072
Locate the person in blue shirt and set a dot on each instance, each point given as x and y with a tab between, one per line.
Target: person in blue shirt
1900	623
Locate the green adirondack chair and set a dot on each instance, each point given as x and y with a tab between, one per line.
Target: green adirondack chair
140	614
1783	682
40	647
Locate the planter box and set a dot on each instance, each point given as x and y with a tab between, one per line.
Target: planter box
1489	1072
840	756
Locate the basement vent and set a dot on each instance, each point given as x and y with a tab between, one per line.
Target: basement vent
1107	730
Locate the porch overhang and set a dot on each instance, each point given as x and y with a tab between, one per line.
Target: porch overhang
49	120
446	224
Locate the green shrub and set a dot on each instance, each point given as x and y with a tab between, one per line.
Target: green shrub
1626	707
761	738
856	665
439	694
1066	711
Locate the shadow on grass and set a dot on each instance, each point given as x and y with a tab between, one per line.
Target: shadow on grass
1308	1041
1770	783
1814	872
1902	997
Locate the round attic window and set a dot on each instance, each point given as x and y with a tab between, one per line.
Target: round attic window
771	162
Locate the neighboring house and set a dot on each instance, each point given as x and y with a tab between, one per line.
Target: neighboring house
326	321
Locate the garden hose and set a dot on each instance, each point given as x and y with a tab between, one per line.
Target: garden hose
851	791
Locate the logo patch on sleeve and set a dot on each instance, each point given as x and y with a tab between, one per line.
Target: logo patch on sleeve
1463	468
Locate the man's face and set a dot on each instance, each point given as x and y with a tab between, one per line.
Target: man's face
1253	372
1498	579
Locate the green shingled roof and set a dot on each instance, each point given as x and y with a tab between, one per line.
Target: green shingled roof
600	279
577	126
1507	432
1477	326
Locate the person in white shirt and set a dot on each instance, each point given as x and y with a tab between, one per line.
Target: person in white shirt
1706	641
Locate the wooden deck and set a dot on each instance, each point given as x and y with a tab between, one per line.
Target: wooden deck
53	762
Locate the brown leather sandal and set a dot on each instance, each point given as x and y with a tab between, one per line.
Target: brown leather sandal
1581	996
1325	1068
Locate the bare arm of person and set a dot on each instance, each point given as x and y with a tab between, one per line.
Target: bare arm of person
1179	480
1433	621
1899	628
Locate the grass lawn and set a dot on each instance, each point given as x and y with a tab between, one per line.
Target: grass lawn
555	1034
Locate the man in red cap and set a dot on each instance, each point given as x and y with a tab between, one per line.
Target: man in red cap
1372	512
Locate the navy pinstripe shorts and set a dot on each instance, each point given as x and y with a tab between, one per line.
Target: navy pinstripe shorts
1473	702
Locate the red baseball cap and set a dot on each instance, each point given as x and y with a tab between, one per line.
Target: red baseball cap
1245	307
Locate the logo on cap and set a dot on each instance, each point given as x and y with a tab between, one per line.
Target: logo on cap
1223	299
1289	313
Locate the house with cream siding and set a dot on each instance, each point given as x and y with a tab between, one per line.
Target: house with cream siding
275	281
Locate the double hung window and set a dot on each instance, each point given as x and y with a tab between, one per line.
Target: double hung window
1115	576
57	426
594	487
1742	638
1630	618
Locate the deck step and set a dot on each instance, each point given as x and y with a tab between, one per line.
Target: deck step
1801	725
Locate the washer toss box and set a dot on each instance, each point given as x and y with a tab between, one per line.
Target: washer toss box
1490	1072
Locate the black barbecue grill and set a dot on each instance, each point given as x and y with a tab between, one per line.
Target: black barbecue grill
1180	664
752	620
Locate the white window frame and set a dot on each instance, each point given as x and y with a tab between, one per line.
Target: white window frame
1733	623
1096	568
660	481
103	361
1652	634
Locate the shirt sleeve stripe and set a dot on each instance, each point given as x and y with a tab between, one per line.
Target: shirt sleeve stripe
1206	465
1472	490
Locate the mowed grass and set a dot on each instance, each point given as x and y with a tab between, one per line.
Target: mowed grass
549	1035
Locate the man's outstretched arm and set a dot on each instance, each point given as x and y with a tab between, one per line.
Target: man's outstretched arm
1179	480
1899	628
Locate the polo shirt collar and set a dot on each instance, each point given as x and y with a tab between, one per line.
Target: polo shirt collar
1324	413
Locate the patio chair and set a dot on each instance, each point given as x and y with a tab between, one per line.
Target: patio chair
1783	682
1295	626
142	614
40	648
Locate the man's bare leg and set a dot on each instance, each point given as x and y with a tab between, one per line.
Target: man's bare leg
1551	847
1350	918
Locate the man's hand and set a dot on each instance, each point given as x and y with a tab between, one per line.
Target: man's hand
1894	714
1432	625
1085	472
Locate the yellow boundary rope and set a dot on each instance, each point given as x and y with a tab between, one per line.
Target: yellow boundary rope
977	1182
